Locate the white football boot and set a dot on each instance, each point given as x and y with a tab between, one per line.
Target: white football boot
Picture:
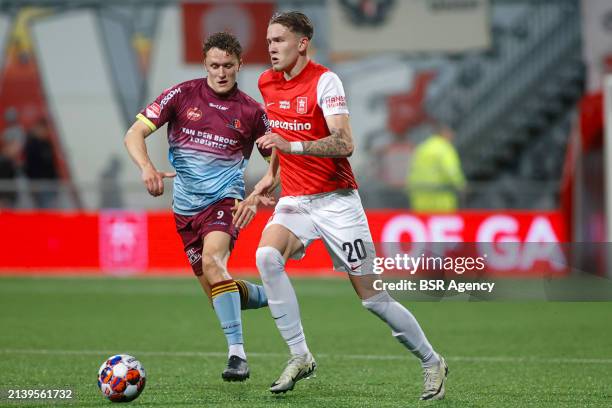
298	367
434	379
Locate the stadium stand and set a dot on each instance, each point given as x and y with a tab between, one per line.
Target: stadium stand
512	107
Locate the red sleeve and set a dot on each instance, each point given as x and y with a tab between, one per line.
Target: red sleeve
162	110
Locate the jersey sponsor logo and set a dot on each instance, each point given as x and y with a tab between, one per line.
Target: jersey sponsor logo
168	97
270	103
153	110
295	125
193	255
284	104
335	102
194	113
302	105
216	106
236	125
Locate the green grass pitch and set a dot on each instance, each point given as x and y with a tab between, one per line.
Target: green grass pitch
54	333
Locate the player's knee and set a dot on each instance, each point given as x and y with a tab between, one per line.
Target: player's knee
378	303
269	261
213	267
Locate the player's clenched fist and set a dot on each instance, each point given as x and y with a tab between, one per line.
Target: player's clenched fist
270	140
154	180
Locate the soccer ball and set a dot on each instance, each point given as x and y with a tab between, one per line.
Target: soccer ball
121	378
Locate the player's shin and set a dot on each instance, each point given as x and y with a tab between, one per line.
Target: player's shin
281	299
252	296
226	302
404	326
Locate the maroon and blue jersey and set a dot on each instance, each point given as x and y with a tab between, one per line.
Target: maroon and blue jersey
211	138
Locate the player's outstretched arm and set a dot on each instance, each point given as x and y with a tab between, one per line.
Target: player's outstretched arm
339	143
271	179
245	211
134	141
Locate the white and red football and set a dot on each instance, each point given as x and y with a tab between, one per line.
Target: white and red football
121	378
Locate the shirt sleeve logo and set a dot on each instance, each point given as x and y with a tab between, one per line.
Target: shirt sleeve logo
335	102
194	113
153	111
266	122
302	105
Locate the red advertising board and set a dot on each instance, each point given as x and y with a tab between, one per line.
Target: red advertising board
124	241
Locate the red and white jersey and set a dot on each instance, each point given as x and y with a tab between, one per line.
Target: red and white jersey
296	110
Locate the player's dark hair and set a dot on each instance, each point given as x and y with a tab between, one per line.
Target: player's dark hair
295	21
225	42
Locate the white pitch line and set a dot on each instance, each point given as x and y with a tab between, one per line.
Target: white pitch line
374	357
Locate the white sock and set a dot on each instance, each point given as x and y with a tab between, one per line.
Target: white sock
236	350
404	326
298	348
281	298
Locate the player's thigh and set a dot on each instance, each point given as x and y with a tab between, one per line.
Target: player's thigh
344	229
215	253
192	244
290	229
282	239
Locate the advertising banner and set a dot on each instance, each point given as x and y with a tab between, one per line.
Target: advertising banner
119	242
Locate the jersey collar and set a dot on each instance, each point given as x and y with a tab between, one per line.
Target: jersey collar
210	92
295	79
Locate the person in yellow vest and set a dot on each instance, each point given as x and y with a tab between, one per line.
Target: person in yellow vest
434	177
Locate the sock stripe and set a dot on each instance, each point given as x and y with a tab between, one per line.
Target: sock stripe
227	285
223	290
243	289
222	283
223	287
229	290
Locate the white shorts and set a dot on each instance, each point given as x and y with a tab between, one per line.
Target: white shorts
338	219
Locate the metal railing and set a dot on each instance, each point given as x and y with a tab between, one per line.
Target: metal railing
518	62
133	196
538	60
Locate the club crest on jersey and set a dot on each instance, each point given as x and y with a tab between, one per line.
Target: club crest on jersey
302	105
194	113
235	124
153	110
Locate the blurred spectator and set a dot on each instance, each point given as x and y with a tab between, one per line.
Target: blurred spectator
13	136
435	177
39	165
11	149
8	180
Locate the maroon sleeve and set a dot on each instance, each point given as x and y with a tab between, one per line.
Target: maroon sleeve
162	110
262	126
